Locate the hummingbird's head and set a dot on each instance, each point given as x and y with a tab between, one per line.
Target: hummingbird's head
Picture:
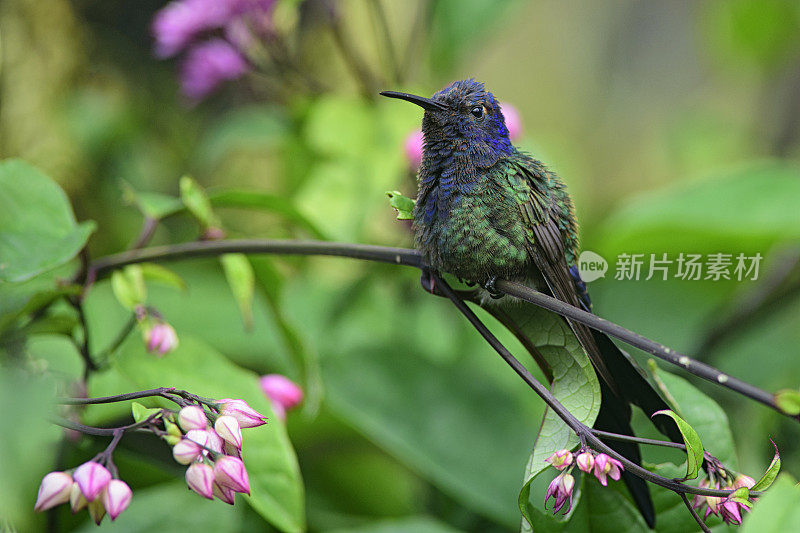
462	118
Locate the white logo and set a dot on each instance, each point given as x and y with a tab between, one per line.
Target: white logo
592	266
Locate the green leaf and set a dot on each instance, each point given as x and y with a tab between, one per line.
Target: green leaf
140	412
574	384
265	202
241	280
277	490
604	510
788	401
731	212
196	201
778	511
771	473
694	448
402	204
129	288
151	204
39	227
162	275
413	524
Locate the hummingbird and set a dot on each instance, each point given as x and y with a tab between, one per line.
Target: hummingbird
487	210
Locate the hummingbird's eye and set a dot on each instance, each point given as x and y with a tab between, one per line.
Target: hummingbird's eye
477	111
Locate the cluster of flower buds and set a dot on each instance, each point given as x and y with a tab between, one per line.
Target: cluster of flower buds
213	452
283	393
89	486
600	465
728	509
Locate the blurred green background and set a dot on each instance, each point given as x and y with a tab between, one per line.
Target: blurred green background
676	126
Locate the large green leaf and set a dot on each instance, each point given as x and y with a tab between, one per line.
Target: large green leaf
277	491
574	384
38	230
444	421
743	210
604	510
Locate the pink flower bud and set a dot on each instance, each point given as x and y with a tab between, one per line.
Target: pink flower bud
160	338
96	510
198	436
186	451
224	493
200	478
228	428
54	490
730	512
743	481
413	148
192	417
77	500
242	412
282	390
513	121
92	478
214	441
116	497
585	461
560	459
230	472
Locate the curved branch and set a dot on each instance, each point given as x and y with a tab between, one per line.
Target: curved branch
409	257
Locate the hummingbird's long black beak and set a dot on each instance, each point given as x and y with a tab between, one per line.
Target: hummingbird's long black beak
425	103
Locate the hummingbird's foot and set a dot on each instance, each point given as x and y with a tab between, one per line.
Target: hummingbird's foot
428	281
491	289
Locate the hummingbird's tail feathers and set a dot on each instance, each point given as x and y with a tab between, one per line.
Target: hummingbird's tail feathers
614	416
634	386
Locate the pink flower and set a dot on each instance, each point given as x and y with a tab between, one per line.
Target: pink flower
283	392
200	478
198	436
224	493
560	459
243	413
230	472
227	427
207	65
161	338
192	417
513	121
605	465
186	451
743	481
560	488
116	497
413	148
54	490
585	461
214	441
730	512
92	478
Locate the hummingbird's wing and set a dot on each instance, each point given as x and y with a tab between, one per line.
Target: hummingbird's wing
540	214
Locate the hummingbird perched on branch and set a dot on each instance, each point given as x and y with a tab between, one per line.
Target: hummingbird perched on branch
486	210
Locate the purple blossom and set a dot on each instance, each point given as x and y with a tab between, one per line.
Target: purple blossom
207	65
92	478
284	393
585	461
177	24
413	148
513	121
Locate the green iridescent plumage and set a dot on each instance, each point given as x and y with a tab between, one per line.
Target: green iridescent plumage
485	209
